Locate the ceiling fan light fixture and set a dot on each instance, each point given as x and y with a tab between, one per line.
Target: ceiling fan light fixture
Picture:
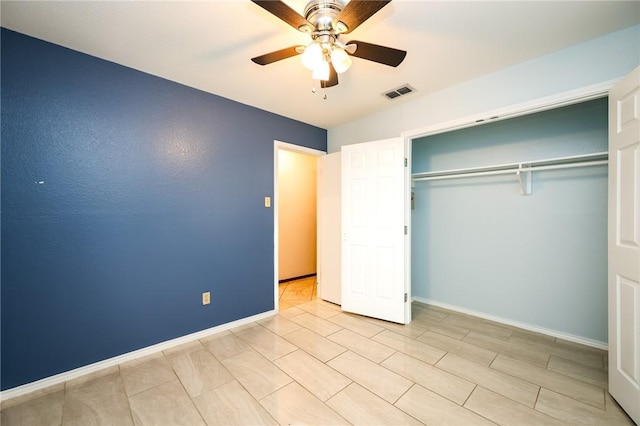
321	72
313	56
340	59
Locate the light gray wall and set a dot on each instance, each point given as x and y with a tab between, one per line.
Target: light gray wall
599	60
539	259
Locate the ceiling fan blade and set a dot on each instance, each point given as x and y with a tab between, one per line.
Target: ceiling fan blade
278	55
285	13
333	78
356	12
376	53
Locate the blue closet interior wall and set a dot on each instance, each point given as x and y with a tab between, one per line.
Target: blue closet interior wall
124	197
540	259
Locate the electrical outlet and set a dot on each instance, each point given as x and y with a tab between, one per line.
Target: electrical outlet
206	298
267	202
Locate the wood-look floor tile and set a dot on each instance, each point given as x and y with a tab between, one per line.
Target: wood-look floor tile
419	310
199	371
579	347
505	411
511	348
194	345
99	401
45	410
370	349
430	377
139	378
141	360
384	383
568	386
504	384
319	379
284	305
415	348
230	404
590	358
360	379
532	336
166	404
357	325
279	325
434	410
225	345
290	312
78	381
295	405
316	324
315	345
574	412
477	324
320	308
448	330
269	344
361	407
297	293
461	348
32	396
577	370
412	329
259	376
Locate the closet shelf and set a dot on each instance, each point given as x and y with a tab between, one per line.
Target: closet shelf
522	170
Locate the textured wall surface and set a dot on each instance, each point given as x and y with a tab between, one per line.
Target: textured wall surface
124	197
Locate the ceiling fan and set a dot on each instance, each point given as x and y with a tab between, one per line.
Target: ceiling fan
325	21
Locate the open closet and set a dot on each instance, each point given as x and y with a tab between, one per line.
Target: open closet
509	220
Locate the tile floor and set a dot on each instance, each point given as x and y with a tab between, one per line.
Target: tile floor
298	291
313	364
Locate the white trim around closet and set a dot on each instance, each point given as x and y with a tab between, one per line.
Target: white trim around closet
583	94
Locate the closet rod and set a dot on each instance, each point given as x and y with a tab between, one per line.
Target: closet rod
511	170
585	160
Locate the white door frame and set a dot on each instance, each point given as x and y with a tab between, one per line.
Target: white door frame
582	94
576	96
282	146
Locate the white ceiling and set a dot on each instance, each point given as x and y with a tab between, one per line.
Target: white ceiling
208	45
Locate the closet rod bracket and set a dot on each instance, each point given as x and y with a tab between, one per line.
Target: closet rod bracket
525	177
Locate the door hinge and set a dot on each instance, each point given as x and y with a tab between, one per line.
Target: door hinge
405	162
406	297
406	230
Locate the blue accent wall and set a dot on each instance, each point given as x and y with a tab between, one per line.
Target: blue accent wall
124	197
539	260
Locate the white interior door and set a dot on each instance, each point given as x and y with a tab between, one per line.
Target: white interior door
329	228
624	244
374	199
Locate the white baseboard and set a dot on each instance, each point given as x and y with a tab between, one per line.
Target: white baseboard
81	371
523	325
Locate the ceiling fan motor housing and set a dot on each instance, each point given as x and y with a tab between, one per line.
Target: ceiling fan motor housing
321	13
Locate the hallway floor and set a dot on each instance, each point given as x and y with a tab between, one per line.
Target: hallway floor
298	291
314	364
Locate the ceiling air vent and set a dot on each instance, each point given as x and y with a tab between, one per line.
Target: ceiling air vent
399	91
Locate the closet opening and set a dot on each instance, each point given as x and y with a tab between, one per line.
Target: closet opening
509	218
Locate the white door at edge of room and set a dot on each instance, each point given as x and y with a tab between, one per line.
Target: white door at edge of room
624	244
375	184
329	228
